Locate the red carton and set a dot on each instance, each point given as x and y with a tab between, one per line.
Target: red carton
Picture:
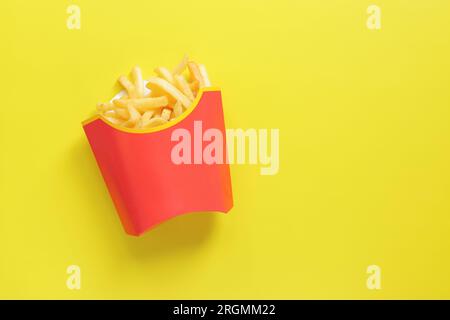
145	184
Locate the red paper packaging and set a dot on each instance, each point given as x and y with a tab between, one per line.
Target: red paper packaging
147	183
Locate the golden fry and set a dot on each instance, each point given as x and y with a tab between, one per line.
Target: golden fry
128	86
145	119
134	115
155	122
112	120
122	113
136	74
104	107
204	75
177	109
128	124
170	89
143	104
181	66
147	115
195	73
164	73
182	84
165	114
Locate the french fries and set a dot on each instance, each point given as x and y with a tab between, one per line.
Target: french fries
136	74
183	85
128	86
204	75
195	73
165	114
177	109
142	104
181	66
171	93
165	74
168	89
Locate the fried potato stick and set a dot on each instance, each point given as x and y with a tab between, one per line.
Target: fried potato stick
169	89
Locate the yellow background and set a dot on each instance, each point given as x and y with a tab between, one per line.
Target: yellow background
364	149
